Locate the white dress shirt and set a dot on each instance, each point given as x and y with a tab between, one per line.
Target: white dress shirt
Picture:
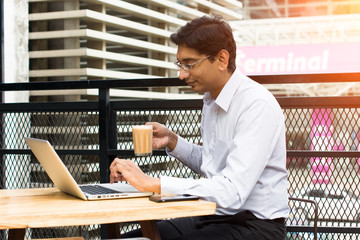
243	155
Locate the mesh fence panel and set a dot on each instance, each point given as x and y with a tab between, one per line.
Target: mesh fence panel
331	180
64	130
325	129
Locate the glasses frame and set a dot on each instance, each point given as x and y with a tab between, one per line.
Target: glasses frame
189	66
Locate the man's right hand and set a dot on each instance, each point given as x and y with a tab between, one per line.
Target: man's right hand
162	136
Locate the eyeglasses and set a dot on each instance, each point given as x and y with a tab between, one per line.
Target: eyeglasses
188	67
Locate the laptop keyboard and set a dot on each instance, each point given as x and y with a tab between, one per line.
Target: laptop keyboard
97	190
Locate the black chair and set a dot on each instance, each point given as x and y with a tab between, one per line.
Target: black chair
301	215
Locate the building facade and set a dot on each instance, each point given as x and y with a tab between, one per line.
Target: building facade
122	39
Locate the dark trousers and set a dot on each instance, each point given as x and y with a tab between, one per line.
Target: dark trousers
241	226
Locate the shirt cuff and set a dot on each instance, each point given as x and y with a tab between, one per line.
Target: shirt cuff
181	151
172	185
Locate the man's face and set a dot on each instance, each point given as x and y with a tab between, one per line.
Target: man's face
202	77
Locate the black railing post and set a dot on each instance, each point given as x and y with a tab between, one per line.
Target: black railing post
107	140
104	115
104	130
112	131
107	133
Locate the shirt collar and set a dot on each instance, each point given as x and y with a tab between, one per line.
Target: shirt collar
227	93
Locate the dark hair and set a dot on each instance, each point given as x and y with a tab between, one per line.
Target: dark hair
208	35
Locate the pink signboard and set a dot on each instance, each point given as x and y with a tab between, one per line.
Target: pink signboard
299	59
322	140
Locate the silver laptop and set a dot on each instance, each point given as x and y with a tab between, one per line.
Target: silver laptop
64	181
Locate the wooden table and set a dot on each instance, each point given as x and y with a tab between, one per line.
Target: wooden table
49	207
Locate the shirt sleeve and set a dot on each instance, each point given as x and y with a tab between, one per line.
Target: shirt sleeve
187	153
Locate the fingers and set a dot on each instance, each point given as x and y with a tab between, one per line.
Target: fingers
115	171
156	126
122	169
116	179
159	130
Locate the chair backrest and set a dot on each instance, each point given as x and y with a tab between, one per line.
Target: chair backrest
303	217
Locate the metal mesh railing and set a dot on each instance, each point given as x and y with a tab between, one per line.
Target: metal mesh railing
323	158
323	161
77	130
324	129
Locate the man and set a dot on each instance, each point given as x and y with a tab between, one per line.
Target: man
243	156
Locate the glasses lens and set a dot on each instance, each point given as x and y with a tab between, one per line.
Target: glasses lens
183	66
